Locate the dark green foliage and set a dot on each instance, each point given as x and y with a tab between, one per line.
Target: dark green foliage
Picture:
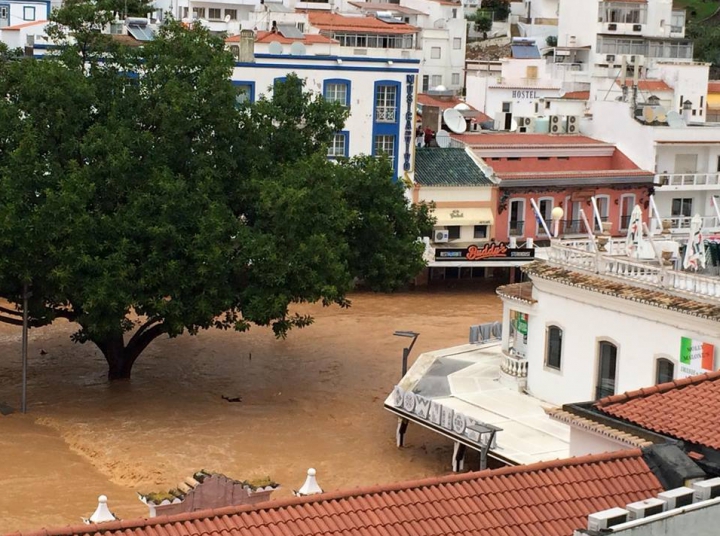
135	197
501	8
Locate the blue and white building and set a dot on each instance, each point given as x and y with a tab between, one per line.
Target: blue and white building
22	18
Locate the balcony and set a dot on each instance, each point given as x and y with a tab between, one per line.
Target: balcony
513	372
517	228
688	181
681	224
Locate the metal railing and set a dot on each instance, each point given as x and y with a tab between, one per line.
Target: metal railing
688	180
385	114
517	228
574	226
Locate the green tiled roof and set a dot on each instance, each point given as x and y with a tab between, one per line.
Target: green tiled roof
435	166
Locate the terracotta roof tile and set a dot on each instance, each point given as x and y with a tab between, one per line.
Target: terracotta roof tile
713	86
577	95
549	498
18	27
332	22
686	409
521	292
651	85
593	283
450	102
269	37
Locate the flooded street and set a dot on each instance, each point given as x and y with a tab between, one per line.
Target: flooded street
312	400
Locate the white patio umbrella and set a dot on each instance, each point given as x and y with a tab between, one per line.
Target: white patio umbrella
634	236
695	250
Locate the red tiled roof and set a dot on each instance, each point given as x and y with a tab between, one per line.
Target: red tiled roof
269	37
524	140
686	409
333	22
449	102
577	95
549	498
651	85
714	86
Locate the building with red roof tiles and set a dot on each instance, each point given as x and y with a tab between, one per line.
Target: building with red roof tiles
549	498
558	171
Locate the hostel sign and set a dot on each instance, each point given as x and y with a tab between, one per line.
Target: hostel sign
444	419
492	251
696	357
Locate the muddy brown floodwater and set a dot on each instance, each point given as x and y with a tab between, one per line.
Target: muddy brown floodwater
312	400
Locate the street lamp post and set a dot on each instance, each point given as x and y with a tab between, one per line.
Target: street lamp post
557	215
23	401
406	351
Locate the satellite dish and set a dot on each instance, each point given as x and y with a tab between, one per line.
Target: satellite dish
648	114
227	19
675	120
561	93
660	114
462	106
297	49
443	139
275	48
454	120
513	126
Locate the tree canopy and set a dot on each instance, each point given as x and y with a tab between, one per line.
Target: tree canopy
138	199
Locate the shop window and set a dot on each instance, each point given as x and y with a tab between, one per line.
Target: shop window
480	231
453	232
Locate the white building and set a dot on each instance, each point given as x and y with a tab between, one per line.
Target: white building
379	92
588	326
536	18
21	20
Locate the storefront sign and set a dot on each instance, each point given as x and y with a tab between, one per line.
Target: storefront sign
524	94
696	357
450	421
495	251
456	214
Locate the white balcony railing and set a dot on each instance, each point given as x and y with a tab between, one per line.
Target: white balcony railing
646	274
680	224
514	366
688	180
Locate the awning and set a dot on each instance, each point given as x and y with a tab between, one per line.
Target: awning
463	216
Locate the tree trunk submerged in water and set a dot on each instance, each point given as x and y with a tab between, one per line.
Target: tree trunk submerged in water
121	357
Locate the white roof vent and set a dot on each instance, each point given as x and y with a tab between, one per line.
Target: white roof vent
642	509
677	498
102	513
310	487
707	489
607	518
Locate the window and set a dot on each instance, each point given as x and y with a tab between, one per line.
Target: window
300	26
531	72
627	203
553	351
426	87
454	13
607	369
545	206
506	107
435	53
547	105
198	13
457	43
385	145
337	92
244	93
456	79
681	211
28	13
480	231
185	13
603	206
517	217
664	371
214	13
232	13
436	80
385	104
453	232
338	145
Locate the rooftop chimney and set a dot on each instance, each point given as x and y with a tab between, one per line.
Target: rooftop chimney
247	46
102	513
687	111
310	487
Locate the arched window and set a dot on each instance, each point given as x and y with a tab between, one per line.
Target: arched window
553	349
664	371
607	369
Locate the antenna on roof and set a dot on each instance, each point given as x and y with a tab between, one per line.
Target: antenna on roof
443	139
454	120
275	48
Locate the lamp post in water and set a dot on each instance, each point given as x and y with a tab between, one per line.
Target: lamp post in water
406	351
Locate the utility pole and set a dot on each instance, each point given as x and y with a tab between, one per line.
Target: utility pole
23	402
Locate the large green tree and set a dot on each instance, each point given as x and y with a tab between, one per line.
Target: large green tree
138	200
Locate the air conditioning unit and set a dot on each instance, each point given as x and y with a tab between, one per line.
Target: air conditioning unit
637	27
707	489
610	58
556	124
612	27
642	509
526	124
635	60
573	124
677	498
441	235
606	519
